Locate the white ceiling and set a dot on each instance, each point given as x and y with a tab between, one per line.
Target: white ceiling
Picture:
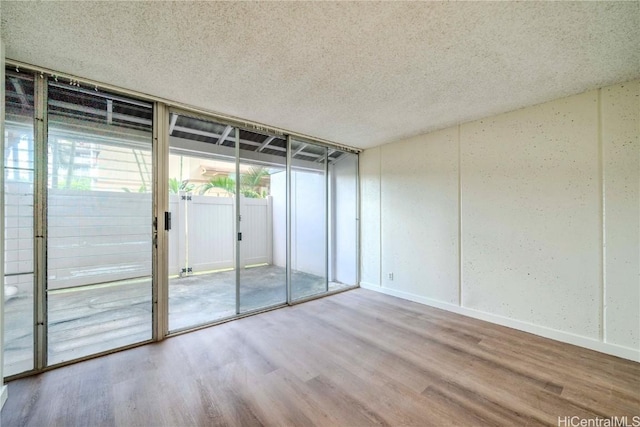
360	74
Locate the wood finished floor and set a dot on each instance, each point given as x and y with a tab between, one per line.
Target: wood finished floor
354	359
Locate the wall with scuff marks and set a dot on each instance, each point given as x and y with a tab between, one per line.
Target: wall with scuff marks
528	219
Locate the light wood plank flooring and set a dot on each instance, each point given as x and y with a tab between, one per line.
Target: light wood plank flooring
354	359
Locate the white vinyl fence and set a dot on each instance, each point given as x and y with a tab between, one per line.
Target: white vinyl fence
97	237
202	236
100	236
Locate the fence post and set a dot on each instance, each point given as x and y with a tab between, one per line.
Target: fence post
181	231
269	230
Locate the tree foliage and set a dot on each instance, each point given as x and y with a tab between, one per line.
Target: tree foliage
251	183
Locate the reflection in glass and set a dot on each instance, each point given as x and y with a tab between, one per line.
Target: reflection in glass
18	198
343	226
308	220
263	274
202	275
99	222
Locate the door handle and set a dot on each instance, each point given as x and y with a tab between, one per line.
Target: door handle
167	221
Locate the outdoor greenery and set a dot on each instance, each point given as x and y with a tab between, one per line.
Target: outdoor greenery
80	183
175	186
141	189
251	183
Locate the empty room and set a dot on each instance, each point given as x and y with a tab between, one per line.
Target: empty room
320	213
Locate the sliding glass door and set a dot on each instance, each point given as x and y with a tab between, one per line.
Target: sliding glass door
262	221
343	220
227	204
18	200
202	205
99	222
253	220
308	188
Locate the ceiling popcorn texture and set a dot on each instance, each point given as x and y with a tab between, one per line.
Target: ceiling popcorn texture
357	73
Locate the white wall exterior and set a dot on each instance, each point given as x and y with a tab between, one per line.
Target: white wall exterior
343	202
307	219
279	193
528	219
308	222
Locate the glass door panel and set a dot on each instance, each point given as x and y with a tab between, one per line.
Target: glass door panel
343	225
308	220
99	222
18	226
202	239
262	269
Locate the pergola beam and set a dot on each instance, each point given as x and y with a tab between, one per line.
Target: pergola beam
325	156
265	143
225	134
172	125
109	111
20	91
97	112
299	150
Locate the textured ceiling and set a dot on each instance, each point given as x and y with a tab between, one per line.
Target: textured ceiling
360	74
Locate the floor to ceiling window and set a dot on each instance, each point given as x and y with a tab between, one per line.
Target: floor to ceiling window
227	253
343	219
18	198
262	272
255	220
99	222
308	220
202	267
324	224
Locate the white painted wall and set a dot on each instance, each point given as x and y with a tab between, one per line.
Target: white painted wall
420	217
370	224
531	215
621	169
547	232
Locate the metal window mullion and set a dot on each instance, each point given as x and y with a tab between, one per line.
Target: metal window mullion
2	219
237	223
160	255
358	223
40	222
288	203
332	209
326	221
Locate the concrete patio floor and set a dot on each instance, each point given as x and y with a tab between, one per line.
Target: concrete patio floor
97	318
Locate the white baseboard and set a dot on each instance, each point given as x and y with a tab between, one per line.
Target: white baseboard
4	393
543	331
